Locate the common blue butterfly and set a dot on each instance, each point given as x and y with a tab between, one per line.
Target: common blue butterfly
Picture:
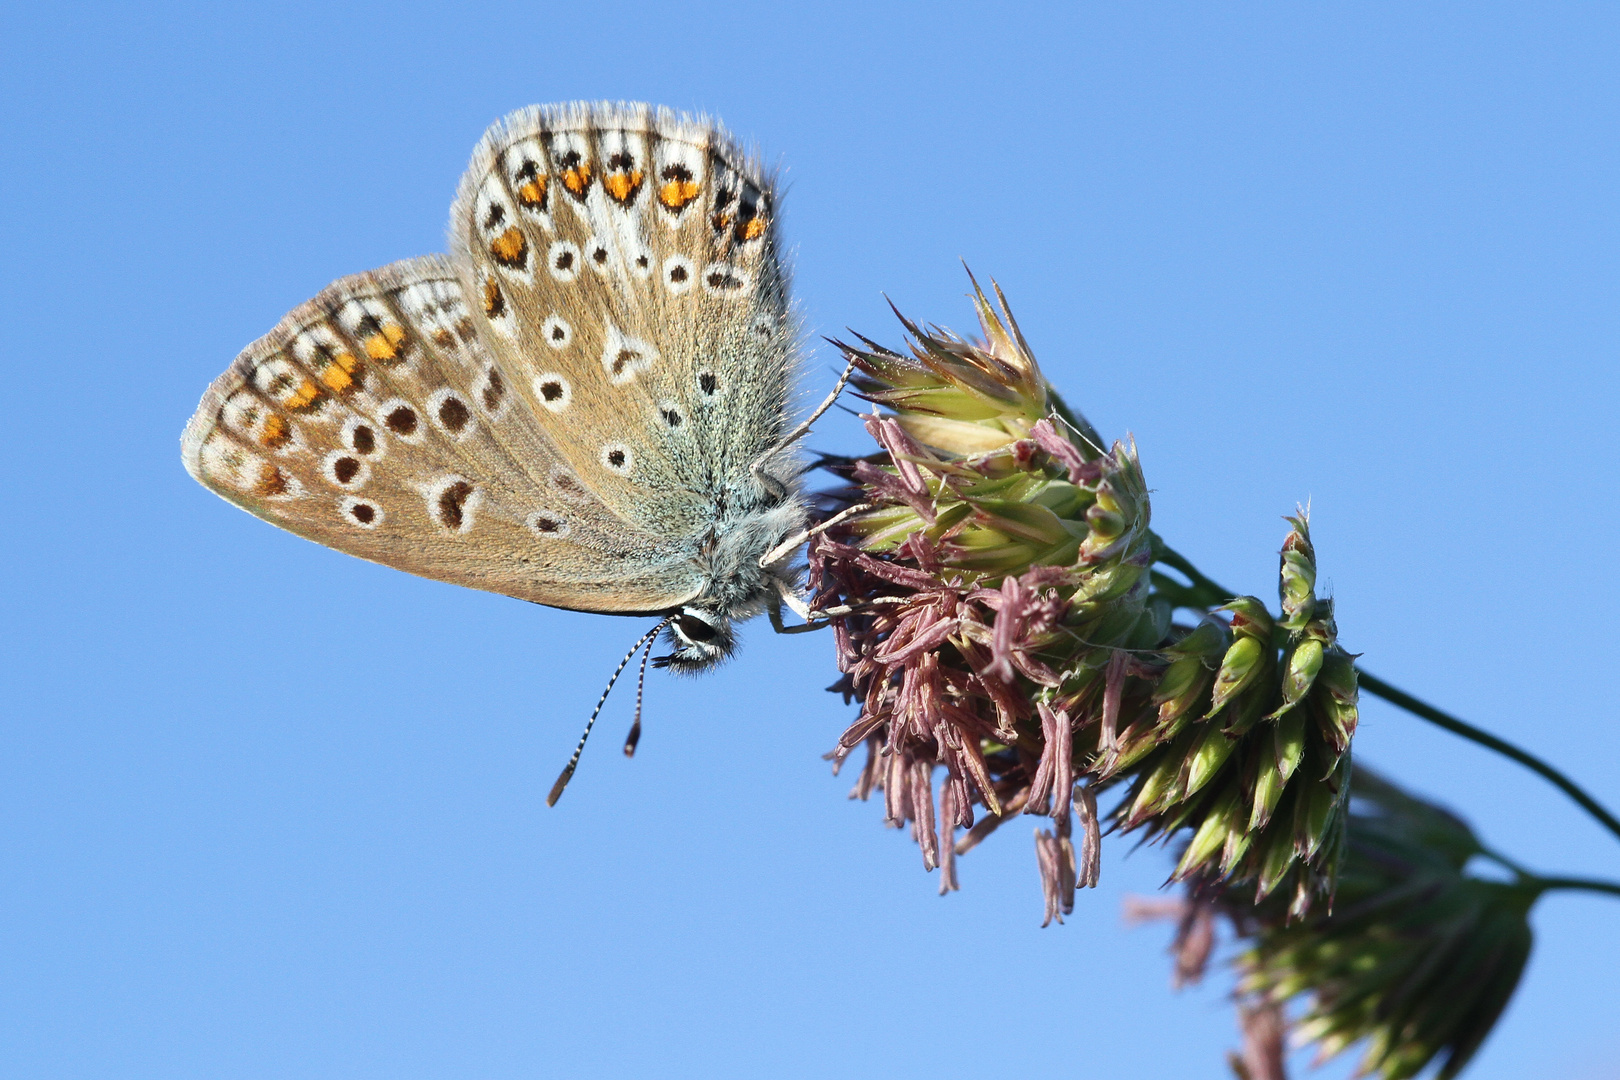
583	405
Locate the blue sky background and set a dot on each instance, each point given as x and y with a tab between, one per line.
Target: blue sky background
269	811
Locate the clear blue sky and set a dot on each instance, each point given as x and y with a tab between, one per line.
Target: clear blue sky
269	811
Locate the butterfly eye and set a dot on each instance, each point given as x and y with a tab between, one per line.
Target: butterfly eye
695	629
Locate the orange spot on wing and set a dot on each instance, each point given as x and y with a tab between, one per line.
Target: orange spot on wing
754	229
578	178
339	374
303	397
509	248
276	432
386	343
623	186
677	193
494	302
533	194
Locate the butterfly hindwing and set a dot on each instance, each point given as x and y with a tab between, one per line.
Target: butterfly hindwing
624	266
376	420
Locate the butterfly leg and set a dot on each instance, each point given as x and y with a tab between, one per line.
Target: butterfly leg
775	611
770	483
813	618
786	547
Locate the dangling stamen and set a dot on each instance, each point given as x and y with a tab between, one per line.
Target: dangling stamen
568	770
634	737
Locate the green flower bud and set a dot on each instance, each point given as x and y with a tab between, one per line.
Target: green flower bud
1259	776
1204	762
1245	662
1297	589
1416	961
1301	663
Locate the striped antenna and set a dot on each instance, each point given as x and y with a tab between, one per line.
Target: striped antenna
634	737
568	770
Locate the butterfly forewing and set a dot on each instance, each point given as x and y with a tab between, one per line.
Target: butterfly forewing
376	420
624	267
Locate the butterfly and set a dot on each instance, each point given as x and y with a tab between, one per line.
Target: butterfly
583	405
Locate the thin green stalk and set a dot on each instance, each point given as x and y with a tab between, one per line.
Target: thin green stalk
1539	884
1204	588
1434	716
1503	861
1576	884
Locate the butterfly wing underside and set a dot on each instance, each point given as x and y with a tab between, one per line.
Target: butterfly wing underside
561	410
374	420
624	261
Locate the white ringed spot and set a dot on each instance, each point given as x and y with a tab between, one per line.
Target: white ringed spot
624	357
452	502
563	260
557	332
553	391
362	512
450	413
599	255
360	434
402	420
618	458
679	273
346	470
491	392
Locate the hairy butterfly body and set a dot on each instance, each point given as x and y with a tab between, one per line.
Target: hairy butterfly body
583	405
